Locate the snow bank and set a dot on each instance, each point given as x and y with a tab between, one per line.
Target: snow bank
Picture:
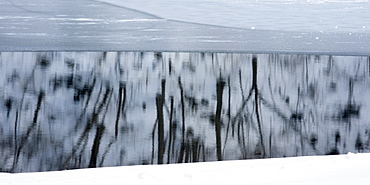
341	169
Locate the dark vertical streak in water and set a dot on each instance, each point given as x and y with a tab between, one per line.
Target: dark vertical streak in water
219	88
270	140
255	87
15	136
229	99
161	142
228	113
118	109
124	100
163	84
95	148
153	136
298	99
161	147
169	67
171	132
182	150
350	92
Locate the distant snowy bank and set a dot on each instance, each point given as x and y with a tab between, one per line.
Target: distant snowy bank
340	169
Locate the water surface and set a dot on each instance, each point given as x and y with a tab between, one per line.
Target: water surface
68	110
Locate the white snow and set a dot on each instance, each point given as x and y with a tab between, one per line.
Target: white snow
341	169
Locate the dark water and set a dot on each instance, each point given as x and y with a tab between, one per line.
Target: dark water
68	110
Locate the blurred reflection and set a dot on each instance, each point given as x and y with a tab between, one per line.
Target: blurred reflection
67	110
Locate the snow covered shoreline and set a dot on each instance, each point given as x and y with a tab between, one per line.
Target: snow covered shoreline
340	169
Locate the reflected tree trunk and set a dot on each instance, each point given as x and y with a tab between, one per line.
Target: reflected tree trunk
95	148
219	88
171	132
119	108
255	87
15	139
182	149
160	117
228	113
159	103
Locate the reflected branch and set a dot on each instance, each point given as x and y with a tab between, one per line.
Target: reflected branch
93	120
29	130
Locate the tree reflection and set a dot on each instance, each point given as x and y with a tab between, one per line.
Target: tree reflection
66	110
219	88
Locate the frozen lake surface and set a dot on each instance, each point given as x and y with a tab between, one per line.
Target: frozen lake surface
350	16
85	25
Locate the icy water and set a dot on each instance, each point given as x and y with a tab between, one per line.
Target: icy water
68	110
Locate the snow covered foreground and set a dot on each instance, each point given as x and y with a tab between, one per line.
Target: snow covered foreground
341	169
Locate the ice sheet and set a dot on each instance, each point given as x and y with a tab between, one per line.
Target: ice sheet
288	15
86	25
